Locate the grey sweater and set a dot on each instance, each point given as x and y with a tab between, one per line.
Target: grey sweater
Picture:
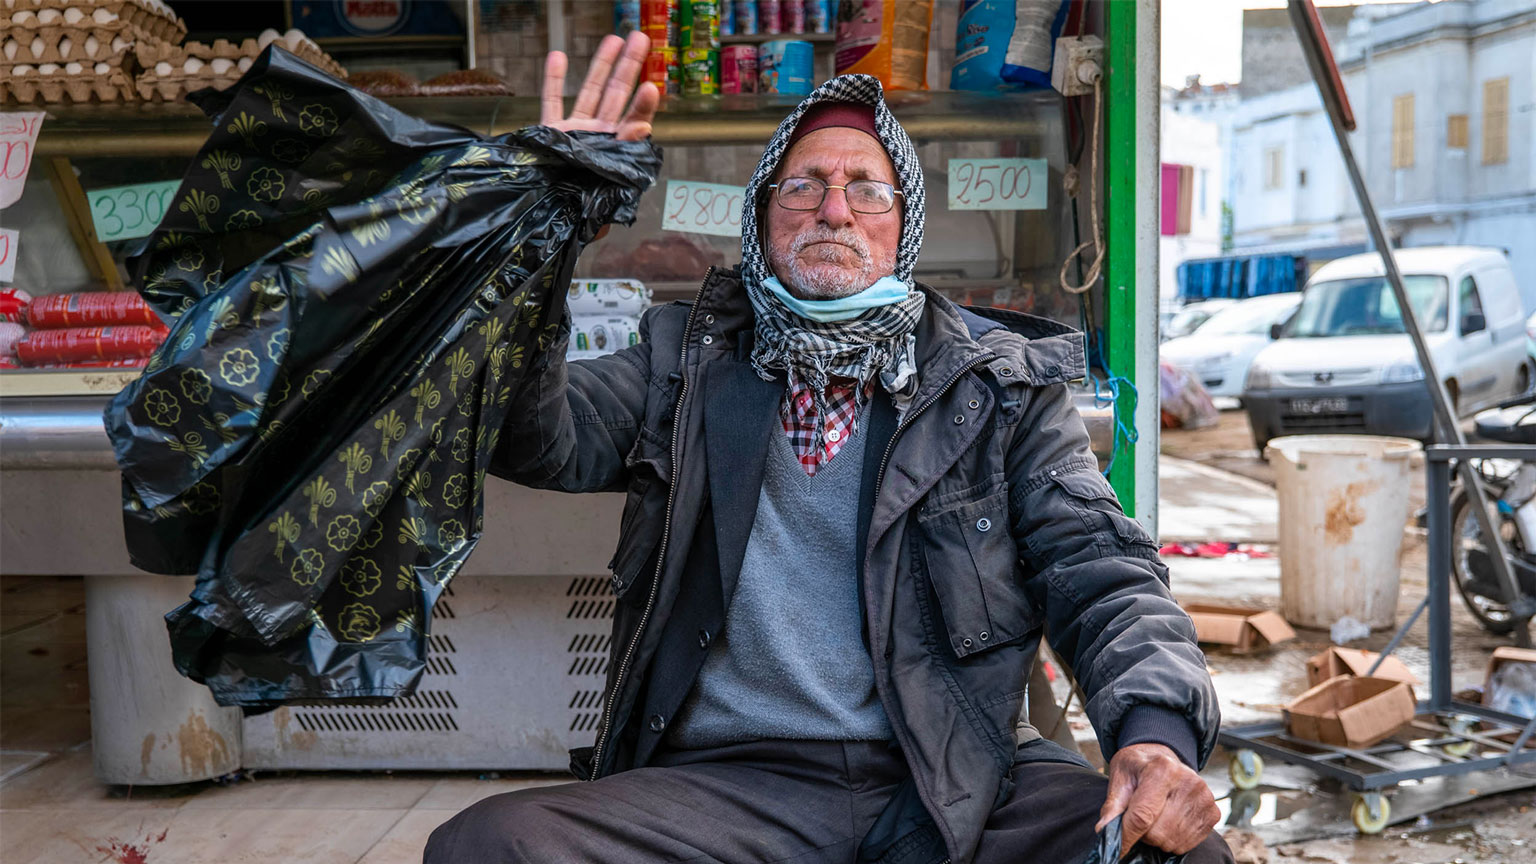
791	662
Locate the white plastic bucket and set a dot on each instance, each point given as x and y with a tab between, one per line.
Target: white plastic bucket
1343	502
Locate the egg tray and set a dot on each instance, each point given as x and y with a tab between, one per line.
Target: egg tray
147	19
152	54
171	88
110	44
89	87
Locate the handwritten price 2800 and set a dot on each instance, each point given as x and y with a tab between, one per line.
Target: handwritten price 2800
703	208
996	184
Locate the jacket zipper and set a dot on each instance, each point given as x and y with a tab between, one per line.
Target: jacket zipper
666	533
906	421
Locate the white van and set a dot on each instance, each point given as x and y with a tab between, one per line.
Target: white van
1343	363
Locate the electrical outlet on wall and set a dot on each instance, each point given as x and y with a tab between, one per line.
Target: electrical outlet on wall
1078	61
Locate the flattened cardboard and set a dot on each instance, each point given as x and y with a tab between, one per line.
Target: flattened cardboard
1350	712
1501	656
1243	628
1338	661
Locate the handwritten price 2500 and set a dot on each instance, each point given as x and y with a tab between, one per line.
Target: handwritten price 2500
997	184
702	208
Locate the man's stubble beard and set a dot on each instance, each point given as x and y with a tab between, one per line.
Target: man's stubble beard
831	282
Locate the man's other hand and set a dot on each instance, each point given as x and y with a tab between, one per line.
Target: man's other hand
608	88
1165	803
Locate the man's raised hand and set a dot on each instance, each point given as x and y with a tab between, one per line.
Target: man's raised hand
607	90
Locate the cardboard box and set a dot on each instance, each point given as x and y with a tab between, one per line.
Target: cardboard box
1242	628
1338	661
1350	712
1499	658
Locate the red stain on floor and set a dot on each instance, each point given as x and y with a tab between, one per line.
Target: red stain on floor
123	852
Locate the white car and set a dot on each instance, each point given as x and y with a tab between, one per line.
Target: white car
1219	351
1344	363
1184	320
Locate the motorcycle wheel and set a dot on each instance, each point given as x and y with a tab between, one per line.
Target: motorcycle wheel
1472	567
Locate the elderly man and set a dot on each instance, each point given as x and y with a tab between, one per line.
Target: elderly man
853	508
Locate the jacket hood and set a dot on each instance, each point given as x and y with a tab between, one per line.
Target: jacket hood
863	89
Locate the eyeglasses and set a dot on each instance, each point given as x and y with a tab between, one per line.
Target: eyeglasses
864	196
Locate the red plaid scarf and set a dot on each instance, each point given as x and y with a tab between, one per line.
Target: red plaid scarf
798	415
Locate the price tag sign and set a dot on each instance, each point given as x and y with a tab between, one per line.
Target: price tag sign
9	239
126	212
703	208
997	184
18	137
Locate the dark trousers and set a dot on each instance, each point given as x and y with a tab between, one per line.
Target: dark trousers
765	801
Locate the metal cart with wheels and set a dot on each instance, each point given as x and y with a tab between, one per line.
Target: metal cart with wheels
1459	736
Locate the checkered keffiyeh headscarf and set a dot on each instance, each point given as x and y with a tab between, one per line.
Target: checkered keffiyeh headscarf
879	343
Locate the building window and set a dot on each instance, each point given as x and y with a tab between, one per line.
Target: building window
1402	131
1496	121
1178	184
1301	177
1456	131
1201	194
1274	167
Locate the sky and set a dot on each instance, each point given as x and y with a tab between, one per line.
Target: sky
1206	37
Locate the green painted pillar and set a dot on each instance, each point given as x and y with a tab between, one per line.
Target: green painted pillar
1119	142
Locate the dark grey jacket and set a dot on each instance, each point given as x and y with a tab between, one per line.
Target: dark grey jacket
986	522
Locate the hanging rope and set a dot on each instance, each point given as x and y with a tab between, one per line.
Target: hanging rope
1071	184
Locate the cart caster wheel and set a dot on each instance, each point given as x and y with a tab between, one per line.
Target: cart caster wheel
1365	820
1460	748
1459	725
1245	769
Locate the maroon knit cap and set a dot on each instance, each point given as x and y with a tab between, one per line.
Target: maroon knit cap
825	115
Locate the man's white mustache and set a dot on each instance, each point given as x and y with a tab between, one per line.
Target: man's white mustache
848	238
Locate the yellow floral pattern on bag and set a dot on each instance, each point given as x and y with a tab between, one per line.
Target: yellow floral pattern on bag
361	577
162	407
238	367
359	622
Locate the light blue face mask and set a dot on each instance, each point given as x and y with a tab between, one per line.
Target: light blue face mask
885	291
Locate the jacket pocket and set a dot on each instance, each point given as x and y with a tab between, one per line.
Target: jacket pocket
1094	501
971	561
645	504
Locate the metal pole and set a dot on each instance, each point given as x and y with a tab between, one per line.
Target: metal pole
1439	583
1445	418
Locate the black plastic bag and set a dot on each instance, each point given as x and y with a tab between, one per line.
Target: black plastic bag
355	295
1106	849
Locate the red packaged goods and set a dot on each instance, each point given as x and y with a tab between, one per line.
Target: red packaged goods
132	363
91	309
658	20
87	344
10	334
13	305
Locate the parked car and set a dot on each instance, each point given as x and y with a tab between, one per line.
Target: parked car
1344	363
1187	319
1530	337
1221	349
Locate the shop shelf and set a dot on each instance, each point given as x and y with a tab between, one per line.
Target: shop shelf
756	38
179	129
